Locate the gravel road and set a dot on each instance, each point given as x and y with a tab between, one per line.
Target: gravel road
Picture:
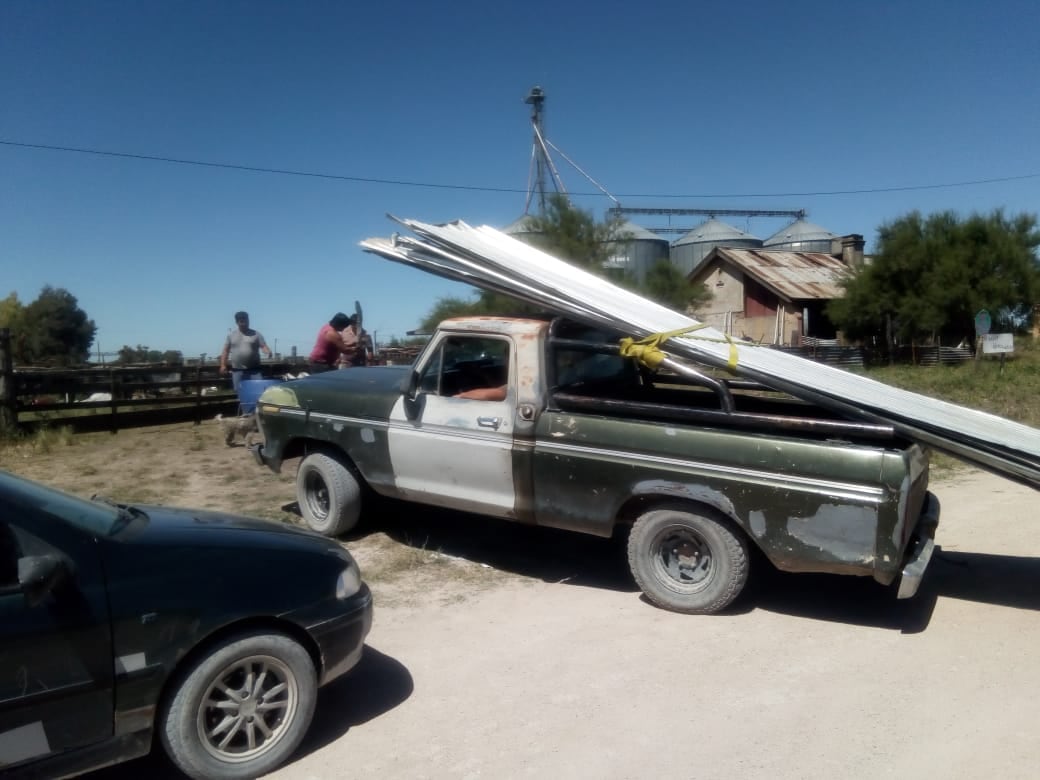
575	676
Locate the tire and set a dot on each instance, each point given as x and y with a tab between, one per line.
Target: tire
687	562
328	494
200	714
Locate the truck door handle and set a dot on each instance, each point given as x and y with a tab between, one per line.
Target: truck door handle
489	422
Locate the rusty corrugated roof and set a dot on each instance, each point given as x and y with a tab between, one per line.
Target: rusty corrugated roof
796	276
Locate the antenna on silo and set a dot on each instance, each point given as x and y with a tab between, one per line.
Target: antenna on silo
542	168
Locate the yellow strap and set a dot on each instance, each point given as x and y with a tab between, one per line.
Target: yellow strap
648	350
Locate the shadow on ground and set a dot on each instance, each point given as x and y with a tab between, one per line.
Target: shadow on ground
548	554
375	686
560	556
998	580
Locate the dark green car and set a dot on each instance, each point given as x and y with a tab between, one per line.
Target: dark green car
544	422
121	623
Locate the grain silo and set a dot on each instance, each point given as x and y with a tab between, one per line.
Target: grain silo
688	252
636	250
524	229
801	236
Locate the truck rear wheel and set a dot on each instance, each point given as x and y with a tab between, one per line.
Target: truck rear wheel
328	494
687	562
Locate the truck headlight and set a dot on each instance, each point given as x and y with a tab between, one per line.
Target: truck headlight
348	582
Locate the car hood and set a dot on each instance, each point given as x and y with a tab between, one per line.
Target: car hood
163	524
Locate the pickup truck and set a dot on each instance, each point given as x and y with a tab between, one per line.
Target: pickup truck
697	468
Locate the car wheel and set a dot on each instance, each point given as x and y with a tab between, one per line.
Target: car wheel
241	710
328	494
687	562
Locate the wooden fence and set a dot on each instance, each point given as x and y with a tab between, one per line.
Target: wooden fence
114	397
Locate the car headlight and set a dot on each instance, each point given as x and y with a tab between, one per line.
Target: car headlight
348	582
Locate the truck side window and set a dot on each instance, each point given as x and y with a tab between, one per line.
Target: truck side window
465	363
575	367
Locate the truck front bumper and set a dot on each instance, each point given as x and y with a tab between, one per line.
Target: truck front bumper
262	458
920	549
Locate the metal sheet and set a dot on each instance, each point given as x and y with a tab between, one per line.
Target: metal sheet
484	257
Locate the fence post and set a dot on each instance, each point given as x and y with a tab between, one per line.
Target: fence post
112	387
198	390
8	392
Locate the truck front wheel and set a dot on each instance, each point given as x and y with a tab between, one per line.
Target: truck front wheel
328	494
687	562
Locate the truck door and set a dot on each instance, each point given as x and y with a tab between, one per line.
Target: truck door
452	445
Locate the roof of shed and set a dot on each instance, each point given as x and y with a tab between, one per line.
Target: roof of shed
796	276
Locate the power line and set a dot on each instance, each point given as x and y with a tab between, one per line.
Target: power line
477	188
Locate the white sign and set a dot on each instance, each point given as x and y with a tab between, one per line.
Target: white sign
993	343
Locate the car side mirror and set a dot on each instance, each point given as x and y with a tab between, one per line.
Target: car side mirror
413	399
38	575
410	386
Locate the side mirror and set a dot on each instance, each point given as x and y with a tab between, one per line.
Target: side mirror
38	575
413	399
410	386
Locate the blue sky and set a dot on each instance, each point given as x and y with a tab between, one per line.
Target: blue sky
739	105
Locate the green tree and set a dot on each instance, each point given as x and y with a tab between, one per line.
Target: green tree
448	307
931	275
573	234
12	317
141	354
56	330
666	285
11	312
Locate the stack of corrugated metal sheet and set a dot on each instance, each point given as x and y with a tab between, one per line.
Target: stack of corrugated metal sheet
487	258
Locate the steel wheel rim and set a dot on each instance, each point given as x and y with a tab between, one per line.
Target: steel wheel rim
682	559
317	496
247	708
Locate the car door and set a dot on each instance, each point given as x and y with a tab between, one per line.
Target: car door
455	451
56	669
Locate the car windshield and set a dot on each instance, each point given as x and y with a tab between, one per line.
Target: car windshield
92	516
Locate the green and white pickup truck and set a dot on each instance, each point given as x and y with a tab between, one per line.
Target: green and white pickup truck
567	433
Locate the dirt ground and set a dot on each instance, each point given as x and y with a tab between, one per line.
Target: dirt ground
506	651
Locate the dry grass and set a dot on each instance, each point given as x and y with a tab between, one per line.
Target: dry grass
1007	388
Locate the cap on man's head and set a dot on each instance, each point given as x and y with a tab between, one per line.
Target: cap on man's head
241	316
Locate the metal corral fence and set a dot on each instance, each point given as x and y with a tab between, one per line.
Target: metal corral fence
113	397
830	352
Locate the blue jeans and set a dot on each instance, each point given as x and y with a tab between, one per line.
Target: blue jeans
238	374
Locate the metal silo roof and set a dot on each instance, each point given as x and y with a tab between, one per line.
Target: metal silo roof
714	230
522	225
799	231
634	232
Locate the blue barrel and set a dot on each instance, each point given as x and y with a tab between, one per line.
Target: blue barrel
249	391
